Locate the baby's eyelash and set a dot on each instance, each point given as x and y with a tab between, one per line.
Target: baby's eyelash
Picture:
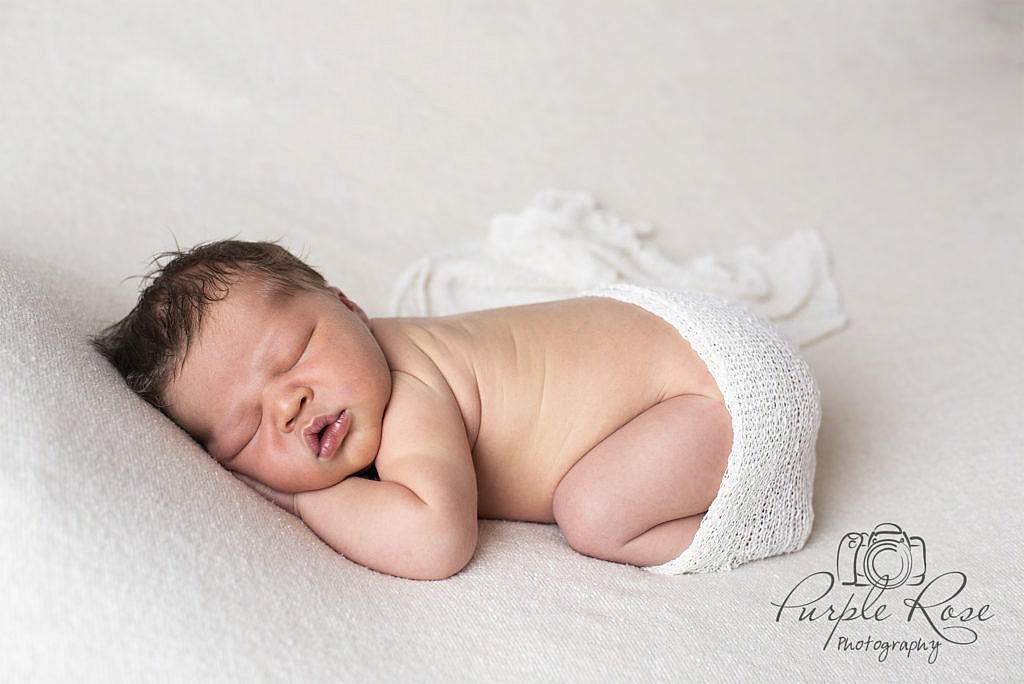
302	349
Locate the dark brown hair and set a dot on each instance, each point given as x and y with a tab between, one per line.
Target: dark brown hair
148	345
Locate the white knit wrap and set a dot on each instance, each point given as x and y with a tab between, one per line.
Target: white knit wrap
764	505
563	243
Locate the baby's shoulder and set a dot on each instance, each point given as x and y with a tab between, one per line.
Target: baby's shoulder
410	349
438	353
423	415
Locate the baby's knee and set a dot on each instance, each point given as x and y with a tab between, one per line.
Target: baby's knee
590	525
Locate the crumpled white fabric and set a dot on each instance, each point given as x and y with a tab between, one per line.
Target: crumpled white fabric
562	243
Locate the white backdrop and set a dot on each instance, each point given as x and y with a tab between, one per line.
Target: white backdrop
369	134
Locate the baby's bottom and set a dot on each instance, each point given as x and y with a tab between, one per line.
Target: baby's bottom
639	495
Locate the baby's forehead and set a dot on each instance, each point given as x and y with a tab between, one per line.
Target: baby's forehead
250	292
252	302
275	287
261	286
242	298
230	327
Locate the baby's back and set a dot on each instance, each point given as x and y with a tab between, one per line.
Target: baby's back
540	385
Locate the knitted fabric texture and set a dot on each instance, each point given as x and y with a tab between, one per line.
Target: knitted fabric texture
763	507
563	243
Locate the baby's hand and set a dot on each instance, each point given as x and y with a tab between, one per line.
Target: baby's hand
285	501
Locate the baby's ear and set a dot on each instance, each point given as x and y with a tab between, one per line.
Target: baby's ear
355	308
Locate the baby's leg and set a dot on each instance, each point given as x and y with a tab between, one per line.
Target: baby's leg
639	495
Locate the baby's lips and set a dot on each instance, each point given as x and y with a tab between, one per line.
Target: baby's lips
332	437
315	432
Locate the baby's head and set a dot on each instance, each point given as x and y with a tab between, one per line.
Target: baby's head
148	344
277	374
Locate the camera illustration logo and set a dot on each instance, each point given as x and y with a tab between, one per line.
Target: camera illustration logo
886	558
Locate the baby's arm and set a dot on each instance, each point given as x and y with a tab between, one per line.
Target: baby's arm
420	519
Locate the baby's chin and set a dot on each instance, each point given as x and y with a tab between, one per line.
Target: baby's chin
345	464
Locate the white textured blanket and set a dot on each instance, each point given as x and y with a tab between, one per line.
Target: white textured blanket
562	243
345	128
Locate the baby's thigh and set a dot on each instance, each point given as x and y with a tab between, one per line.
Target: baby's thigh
664	464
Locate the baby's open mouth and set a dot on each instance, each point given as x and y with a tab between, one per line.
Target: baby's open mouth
325	433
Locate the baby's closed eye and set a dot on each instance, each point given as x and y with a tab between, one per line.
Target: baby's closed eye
299	351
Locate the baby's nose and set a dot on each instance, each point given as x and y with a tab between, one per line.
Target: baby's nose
290	407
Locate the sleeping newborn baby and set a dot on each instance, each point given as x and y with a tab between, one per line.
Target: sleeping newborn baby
663	429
